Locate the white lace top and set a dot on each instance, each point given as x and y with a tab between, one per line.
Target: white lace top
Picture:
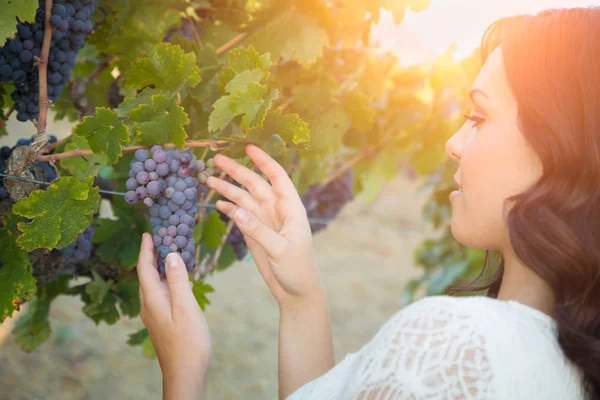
455	348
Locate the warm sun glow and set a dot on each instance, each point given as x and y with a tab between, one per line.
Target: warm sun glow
431	32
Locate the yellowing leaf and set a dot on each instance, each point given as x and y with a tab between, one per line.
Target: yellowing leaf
289	127
328	129
104	133
169	68
58	214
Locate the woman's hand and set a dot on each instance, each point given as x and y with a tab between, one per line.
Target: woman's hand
176	324
274	223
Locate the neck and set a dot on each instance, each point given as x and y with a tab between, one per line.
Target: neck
521	284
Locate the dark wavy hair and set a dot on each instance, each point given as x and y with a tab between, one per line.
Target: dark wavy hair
552	62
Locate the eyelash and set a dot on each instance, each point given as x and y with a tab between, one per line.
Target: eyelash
477	120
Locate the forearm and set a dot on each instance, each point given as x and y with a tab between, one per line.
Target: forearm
305	344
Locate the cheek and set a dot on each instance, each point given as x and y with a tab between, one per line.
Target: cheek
489	172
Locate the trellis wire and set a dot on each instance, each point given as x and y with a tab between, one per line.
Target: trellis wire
212	206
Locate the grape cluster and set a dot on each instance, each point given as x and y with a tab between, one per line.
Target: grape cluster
71	23
168	183
324	202
5	152
81	248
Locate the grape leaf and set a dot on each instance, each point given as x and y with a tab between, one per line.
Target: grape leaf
200	290
58	214
17	284
169	68
292	36
24	10
289	127
100	301
243	59
138	337
221	115
214	229
129	299
98	288
160	122
83	167
148	348
104	133
33	328
251	105
241	80
328	129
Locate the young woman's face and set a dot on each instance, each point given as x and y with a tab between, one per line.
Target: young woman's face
495	161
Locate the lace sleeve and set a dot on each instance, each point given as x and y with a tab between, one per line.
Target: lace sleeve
427	351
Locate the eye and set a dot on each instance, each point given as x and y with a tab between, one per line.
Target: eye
477	120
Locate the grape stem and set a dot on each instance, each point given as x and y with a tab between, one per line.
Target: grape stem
79	152
8	113
215	260
41	138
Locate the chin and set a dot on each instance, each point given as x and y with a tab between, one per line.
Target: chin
466	236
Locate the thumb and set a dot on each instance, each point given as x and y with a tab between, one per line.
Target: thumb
178	279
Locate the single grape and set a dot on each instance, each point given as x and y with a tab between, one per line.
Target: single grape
150	164
174	220
167	241
200	166
188	205
186	256
183	229
162	169
148	202
178	198
155	147
180	241
154	188
141	192
131	184
172	231
154	210
203	177
210	163
162	232
157	240
153	176
137	167
131	197
159	156
190	193
163	251
142	155
142	177
169	192
180	185
164	212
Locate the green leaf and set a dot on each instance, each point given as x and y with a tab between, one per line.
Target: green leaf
214	229
82	167
221	115
251	104
119	240
169	68
160	122
362	113
58	214
292	36
243	58
200	290
33	328
98	288
328	129
138	337
289	127
241	81
129	298
445	276
104	133
148	348
24	10
17	284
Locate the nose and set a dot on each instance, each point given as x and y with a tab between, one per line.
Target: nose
454	146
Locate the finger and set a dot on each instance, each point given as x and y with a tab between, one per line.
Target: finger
146	267
255	184
273	244
237	195
282	184
177	280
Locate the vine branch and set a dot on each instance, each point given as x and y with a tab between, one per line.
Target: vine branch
232	43
79	152
217	255
41	138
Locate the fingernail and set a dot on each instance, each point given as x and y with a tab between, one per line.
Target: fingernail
172	260
242	216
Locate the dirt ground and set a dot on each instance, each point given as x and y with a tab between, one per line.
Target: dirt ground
365	258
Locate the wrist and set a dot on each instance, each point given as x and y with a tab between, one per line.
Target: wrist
315	302
184	382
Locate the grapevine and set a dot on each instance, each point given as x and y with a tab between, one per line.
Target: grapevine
154	92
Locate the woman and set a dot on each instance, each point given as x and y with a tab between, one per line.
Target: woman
529	186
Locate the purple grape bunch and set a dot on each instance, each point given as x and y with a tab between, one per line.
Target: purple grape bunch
71	23
324	202
81	248
168	182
